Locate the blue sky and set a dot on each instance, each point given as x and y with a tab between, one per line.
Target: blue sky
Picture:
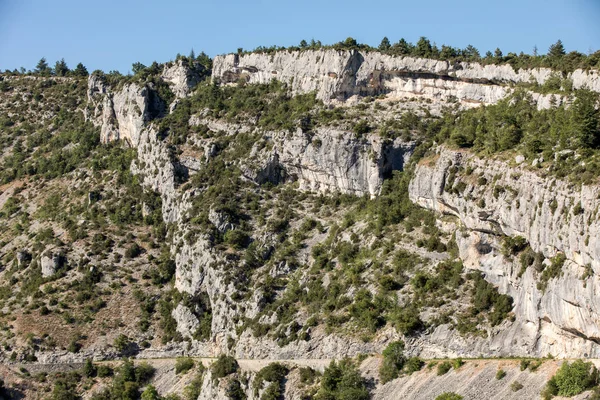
111	35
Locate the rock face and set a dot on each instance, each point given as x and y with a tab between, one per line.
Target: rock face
122	115
339	75
51	262
555	217
187	322
182	76
23	257
562	319
329	160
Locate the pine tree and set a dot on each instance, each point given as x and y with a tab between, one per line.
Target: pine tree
403	47
61	68
137	67
498	53
557	50
586	118
42	67
303	44
80	70
423	48
192	55
471	53
385	44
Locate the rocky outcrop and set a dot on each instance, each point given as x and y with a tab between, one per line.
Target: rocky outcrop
182	76
552	214
339	75
492	200
23	257
328	160
122	114
50	262
187	322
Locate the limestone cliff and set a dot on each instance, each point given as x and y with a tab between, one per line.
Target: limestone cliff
329	160
493	199
339	75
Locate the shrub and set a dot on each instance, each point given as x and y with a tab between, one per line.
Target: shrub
407	320
342	381
223	366
449	396
273	372
194	388
500	374
273	392
513	245
144	372
307	375
234	390
443	368
457	363
89	369
516	386
121	343
572	379
103	371
150	393
393	361
183	365
413	364
236	238
361	127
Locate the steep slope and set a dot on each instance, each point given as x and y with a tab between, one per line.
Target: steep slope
257	221
495	201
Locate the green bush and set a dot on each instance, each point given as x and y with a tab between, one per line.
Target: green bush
234	390
150	393
194	387
572	379
133	251
413	364
273	392
121	343
342	381
183	365
443	368
513	245
274	372
500	374
449	396
393	361
89	369
407	320
236	238
308	375
223	366
104	371
457	363
516	386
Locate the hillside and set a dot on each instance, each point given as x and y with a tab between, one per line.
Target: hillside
298	205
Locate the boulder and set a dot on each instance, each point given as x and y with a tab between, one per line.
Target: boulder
51	262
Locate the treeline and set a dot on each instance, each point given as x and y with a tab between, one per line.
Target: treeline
556	57
44	69
137	69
